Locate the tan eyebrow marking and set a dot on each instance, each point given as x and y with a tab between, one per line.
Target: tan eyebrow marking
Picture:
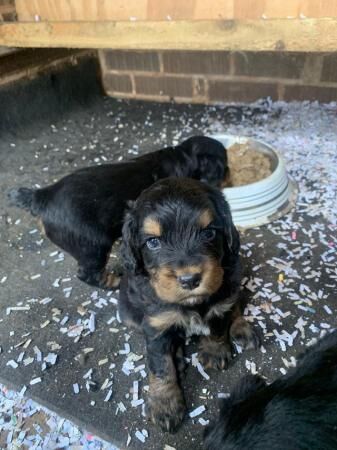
205	218
152	227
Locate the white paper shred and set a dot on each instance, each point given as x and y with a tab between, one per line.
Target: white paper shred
108	395
203	422
135	390
92	322
327	309
38	353
202	371
23	390
51	358
17	308
140	436
12	363
126	349
197	411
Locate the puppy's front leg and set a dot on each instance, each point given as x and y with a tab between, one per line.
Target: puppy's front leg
215	349
241	332
92	263
166	400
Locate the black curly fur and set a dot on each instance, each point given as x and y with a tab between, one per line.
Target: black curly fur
295	412
83	212
175	206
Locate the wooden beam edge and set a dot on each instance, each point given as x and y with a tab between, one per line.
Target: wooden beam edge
315	35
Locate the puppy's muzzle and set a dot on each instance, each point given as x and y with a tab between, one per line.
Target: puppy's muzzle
190	281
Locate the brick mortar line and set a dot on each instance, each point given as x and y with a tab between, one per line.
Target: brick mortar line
102	62
133	84
168	99
206	89
217	77
313	67
231	63
157	98
161	62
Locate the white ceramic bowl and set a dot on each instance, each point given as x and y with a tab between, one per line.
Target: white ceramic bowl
266	200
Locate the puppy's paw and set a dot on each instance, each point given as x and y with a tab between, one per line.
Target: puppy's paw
110	281
215	354
244	335
166	405
102	279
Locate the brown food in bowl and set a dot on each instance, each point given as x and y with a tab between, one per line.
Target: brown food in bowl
246	165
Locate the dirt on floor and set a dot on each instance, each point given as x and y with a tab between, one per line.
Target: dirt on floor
88	374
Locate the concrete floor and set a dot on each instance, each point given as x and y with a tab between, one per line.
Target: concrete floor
54	307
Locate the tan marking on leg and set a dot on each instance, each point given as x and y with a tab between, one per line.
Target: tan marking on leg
132	324
110	280
215	353
205	218
152	227
41	227
242	333
166	400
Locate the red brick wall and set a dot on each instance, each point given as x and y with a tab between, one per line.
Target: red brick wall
212	77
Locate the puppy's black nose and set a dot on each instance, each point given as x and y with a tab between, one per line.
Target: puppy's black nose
190	280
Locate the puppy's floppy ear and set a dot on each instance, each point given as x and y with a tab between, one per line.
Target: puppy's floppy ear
211	169
231	233
131	256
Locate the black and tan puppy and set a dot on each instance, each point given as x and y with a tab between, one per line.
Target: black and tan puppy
83	212
181	277
295	412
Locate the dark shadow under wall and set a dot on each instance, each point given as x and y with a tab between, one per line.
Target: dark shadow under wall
50	93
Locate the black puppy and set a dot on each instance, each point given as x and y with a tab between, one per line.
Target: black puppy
83	212
296	412
180	251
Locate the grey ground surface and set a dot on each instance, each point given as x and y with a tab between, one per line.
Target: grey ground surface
290	310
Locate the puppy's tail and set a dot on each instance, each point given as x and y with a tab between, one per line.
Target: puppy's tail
22	198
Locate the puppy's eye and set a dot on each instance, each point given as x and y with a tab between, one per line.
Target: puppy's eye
153	243
208	233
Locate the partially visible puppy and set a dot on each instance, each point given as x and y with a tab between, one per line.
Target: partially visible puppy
296	412
180	251
83	212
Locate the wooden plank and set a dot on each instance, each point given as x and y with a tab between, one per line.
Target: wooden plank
88	10
7	9
284	8
111	10
313	35
168	9
217	9
318	8
249	9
